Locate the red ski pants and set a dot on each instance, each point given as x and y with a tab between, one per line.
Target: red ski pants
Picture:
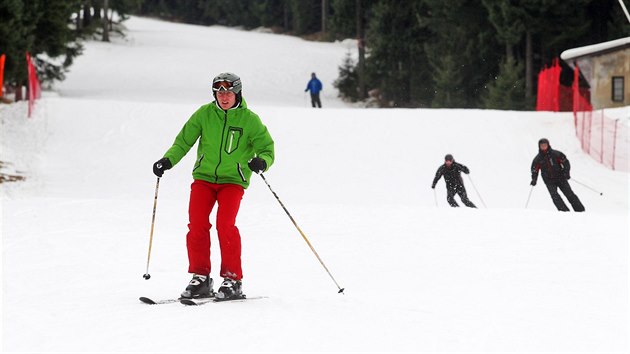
203	196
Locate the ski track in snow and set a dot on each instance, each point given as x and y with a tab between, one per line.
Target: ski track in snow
418	277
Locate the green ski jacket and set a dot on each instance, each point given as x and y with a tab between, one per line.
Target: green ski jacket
227	141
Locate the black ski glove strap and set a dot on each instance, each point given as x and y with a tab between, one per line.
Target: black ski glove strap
161	165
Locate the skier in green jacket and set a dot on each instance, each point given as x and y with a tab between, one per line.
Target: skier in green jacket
233	143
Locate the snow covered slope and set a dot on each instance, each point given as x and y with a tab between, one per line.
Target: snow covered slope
418	277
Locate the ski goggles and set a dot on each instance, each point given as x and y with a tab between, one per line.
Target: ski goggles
223	86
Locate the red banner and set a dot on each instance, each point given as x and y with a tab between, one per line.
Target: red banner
2	58
551	95
34	88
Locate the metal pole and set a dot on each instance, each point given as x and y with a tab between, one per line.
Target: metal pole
601	152
615	145
146	275
435	197
625	10
529	196
473	184
587	186
303	235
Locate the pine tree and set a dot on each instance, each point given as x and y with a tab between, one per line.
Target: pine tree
348	80
397	59
341	22
507	90
460	51
13	36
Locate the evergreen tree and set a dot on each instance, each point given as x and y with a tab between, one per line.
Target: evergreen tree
270	13
37	27
397	62
341	22
507	90
53	36
348	81
13	36
460	51
305	15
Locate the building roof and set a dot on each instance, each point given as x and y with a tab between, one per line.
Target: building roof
595	49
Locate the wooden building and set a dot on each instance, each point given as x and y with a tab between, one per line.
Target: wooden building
606	68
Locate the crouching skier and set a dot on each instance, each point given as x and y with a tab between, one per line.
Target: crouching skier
233	143
451	171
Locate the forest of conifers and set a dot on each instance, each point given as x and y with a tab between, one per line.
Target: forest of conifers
412	53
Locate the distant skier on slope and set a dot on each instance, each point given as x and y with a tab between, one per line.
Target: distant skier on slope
315	86
233	143
555	170
451	171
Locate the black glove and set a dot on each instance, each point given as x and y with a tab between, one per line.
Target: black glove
533	182
257	165
567	175
433	186
161	165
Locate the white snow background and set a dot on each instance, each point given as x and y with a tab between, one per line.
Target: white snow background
419	277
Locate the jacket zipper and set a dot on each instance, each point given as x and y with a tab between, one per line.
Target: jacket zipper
231	141
199	162
240	172
216	170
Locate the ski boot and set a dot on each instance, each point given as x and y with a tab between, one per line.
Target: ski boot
230	290
199	287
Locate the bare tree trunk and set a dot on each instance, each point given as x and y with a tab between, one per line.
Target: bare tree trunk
324	13
79	19
529	66
97	9
87	13
105	21
18	93
286	15
361	45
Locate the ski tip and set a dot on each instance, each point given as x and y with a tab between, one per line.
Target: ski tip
146	300
188	302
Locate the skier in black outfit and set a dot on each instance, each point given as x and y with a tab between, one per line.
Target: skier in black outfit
555	170
451	171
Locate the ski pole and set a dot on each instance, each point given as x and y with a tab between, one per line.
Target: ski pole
435	197
302	233
146	275
529	196
479	195
587	186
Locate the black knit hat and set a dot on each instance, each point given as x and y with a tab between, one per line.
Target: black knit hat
448	157
543	141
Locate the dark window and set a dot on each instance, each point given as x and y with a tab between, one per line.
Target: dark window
617	88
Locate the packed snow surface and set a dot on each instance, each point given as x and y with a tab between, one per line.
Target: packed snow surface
419	276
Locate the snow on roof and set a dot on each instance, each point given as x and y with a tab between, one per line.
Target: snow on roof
594	49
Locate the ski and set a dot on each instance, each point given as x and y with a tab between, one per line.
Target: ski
198	302
149	301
